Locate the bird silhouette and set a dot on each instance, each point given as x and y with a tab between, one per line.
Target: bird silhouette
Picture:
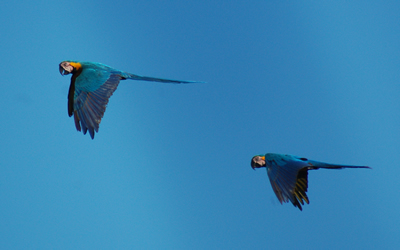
92	84
288	175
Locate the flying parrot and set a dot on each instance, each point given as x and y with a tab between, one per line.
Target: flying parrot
92	84
288	175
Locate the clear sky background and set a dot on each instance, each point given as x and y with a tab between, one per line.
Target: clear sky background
170	166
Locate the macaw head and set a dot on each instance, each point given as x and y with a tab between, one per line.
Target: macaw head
258	161
67	67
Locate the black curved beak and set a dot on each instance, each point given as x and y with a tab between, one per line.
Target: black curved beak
252	165
62	71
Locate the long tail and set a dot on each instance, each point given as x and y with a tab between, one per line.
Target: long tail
318	164
153	79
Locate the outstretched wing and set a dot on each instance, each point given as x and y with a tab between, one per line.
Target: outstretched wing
288	178
90	99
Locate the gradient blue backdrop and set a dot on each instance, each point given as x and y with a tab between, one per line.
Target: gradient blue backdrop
170	166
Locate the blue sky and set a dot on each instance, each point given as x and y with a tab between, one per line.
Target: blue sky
170	166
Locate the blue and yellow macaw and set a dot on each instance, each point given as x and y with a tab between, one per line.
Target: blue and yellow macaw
92	84
288	175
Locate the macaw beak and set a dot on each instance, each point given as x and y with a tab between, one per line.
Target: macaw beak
65	68
255	164
62	71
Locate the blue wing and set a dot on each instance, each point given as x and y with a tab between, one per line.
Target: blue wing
92	90
288	176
